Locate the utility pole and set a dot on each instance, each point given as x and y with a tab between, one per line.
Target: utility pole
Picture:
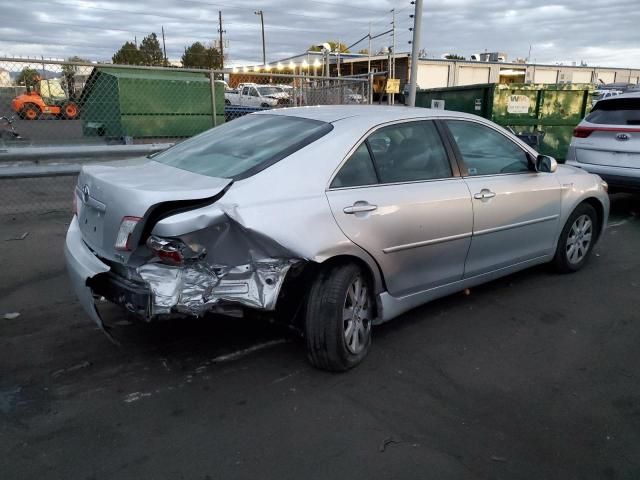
393	43
164	48
264	55
369	51
369	68
338	60
415	49
393	52
221	31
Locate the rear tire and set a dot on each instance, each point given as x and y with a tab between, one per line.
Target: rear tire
338	318
577	239
69	111
30	111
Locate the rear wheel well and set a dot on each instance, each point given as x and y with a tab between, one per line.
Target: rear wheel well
295	289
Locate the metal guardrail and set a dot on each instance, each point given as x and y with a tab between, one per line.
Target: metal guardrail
34	182
69	152
33	162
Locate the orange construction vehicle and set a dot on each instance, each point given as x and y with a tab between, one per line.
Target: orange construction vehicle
47	96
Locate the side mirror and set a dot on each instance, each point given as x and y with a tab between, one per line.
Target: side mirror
546	164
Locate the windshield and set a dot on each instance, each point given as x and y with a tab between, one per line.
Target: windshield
268	90
616	111
243	147
51	89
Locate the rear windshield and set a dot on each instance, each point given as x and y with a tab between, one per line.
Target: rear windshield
245	146
616	111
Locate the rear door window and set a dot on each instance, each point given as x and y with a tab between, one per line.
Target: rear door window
408	152
616	111
357	171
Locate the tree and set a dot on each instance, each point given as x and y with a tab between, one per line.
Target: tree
454	56
69	72
364	51
198	55
150	51
128	55
334	47
28	77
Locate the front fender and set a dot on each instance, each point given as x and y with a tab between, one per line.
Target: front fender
579	186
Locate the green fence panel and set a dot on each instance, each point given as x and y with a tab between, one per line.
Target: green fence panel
474	99
553	109
146	103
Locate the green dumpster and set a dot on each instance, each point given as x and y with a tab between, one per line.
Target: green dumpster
138	103
526	108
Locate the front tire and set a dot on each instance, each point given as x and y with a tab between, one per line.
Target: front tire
338	318
577	239
30	111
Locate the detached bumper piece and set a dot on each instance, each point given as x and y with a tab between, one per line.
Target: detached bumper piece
134	296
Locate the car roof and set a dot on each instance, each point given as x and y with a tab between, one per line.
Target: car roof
373	114
624	95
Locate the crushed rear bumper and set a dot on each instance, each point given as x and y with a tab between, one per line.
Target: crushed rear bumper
82	265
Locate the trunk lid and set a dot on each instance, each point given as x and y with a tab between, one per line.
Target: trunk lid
108	192
612	145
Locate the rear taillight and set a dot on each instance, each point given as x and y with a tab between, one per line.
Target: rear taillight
582	132
174	251
123	240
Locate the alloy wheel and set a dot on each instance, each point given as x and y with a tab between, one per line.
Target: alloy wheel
356	317
579	239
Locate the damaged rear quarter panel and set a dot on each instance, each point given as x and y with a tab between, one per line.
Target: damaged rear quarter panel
254	234
240	266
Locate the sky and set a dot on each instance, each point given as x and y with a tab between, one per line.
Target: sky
603	32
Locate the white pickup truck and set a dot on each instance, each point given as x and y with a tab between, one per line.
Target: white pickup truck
257	96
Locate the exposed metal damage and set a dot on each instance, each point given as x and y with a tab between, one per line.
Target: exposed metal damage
220	267
195	288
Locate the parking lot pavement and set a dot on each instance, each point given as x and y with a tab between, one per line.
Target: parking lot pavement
534	376
48	130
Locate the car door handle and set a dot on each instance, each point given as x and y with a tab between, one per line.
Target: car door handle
359	207
484	194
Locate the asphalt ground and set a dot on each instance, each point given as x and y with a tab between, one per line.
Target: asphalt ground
534	376
48	130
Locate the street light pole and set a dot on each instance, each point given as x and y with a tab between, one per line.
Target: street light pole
264	55
415	49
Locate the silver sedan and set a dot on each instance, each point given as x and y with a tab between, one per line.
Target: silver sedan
335	218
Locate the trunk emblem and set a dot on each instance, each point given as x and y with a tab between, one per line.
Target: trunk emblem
85	193
622	137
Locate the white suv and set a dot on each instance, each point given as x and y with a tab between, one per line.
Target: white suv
607	142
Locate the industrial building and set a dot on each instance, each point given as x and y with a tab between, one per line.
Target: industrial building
436	73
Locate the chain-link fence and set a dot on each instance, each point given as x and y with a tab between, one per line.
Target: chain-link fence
67	104
53	103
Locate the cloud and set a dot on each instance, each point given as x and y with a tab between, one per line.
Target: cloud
556	30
